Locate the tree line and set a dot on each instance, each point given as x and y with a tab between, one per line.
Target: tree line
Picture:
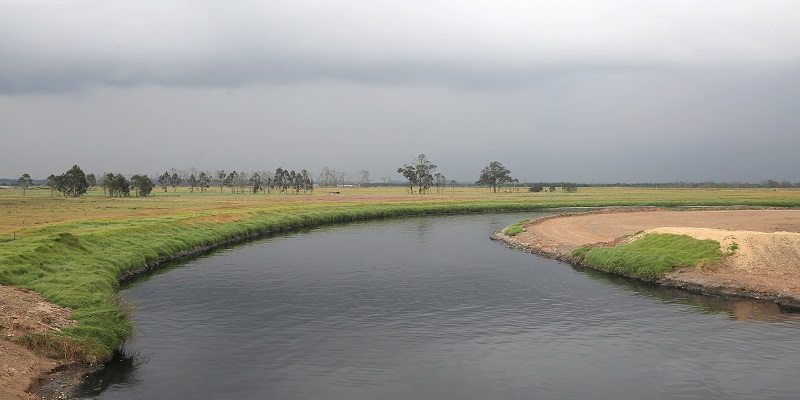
421	175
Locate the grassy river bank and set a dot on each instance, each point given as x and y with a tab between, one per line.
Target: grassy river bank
75	251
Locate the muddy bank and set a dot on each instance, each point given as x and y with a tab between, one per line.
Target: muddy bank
764	265
25	374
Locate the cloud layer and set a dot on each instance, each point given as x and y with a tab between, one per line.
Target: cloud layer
556	90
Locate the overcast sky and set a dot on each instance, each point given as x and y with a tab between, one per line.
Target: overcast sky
584	90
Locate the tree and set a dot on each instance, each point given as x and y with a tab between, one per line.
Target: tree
255	182
51	182
306	182
419	173
193	182
363	178
25	182
71	183
91	180
116	185
204	182
410	173
220	175
230	181
325	177
143	185
175	181
441	182
493	175
164	180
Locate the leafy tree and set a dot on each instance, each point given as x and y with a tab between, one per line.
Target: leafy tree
266	178
192	181
24	182
116	185
164	180
307	182
220	175
277	179
242	180
230	181
71	183
255	182
175	181
143	185
204	182
91	180
441	182
493	175
282	180
419	173
410	173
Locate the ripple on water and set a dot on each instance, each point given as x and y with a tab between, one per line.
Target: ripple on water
407	309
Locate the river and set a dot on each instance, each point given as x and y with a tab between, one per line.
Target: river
429	308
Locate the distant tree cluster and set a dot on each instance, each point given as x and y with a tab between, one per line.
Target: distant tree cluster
115	185
331	178
119	186
284	180
70	184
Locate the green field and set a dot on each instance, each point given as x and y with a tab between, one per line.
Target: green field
73	251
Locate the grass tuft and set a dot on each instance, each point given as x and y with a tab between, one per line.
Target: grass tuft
516	229
655	255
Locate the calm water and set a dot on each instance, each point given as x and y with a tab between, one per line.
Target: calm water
430	308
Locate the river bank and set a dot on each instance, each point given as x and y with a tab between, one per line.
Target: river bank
764	265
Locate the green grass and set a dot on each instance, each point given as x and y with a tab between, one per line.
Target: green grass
516	229
73	251
654	255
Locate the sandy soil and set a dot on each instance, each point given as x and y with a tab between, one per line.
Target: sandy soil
766	262
22	312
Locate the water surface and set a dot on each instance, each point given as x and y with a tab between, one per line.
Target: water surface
428	308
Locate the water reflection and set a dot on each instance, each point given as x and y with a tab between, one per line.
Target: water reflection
119	370
737	308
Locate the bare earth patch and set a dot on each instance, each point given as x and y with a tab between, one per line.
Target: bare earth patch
764	245
23	312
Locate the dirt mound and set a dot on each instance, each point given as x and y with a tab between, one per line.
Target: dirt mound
23	312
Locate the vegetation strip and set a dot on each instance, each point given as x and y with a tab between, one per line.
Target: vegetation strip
652	256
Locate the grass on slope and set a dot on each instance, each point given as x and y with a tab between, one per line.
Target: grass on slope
654	255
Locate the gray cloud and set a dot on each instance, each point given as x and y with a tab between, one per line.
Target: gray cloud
73	45
582	91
